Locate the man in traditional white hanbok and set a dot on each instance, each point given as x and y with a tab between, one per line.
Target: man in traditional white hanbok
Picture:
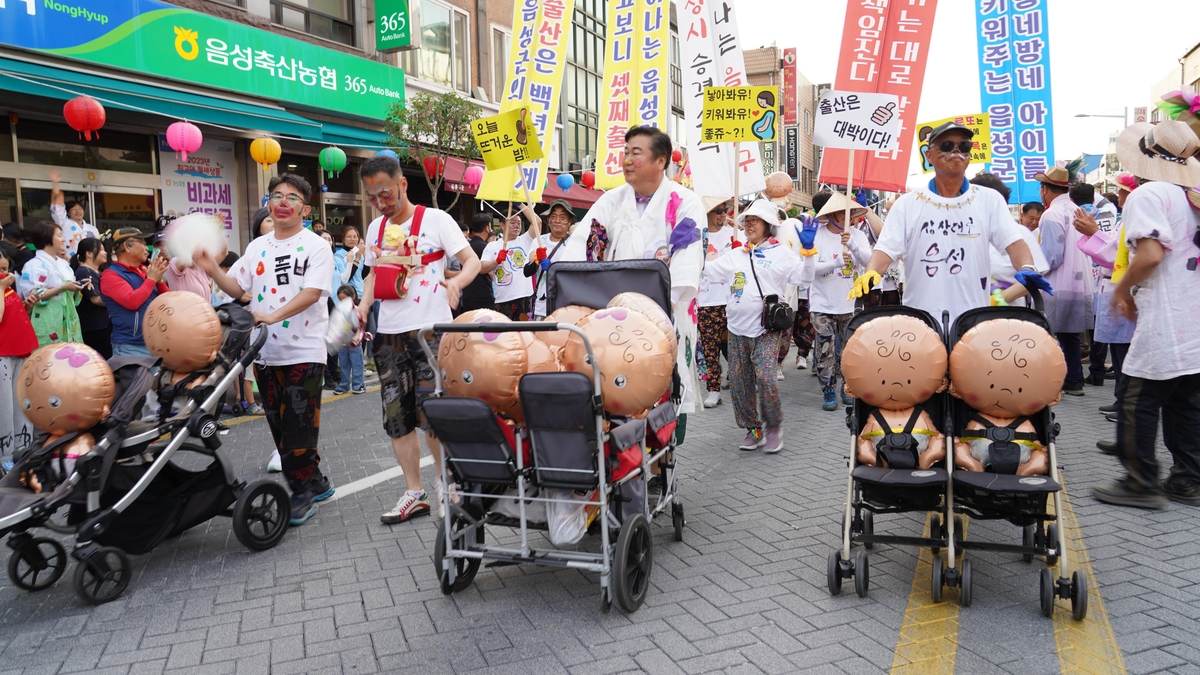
652	217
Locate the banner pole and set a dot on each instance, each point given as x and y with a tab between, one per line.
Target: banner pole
737	175
529	201
847	262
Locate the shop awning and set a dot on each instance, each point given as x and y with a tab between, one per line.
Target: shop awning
578	196
40	80
342	134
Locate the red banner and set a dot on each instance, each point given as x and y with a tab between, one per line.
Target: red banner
885	45
787	92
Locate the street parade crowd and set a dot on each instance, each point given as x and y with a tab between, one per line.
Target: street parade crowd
748	280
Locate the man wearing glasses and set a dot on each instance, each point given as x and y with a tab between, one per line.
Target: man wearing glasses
288	274
429	237
942	232
128	287
560	217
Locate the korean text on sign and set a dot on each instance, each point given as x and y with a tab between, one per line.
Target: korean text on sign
856	121
981	141
507	139
736	114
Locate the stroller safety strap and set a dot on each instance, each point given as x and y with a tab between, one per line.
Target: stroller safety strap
898	448
1005	448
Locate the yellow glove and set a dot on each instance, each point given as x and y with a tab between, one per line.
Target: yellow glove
863	285
806	252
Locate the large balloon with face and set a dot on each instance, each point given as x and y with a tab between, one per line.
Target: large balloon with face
1007	368
65	387
894	362
634	356
486	366
183	330
652	310
569	314
779	184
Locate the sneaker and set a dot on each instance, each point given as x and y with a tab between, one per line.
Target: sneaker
339	392
255	409
1123	493
1107	447
754	440
1109	409
438	490
409	506
329	385
303	508
778	373
321	490
1184	493
360	390
725	384
846	400
275	465
1073	391
713	399
773	442
830	400
1111	418
7	466
801	362
1096	379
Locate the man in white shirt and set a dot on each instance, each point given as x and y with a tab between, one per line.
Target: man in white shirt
1069	310
1162	369
405	374
943	231
1003	274
718	238
560	218
505	263
288	274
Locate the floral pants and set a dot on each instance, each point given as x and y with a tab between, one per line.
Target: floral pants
752	380
713	343
830	329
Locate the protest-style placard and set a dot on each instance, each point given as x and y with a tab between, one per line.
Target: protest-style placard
507	139
981	152
856	121
738	114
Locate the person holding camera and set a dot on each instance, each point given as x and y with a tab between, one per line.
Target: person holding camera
756	275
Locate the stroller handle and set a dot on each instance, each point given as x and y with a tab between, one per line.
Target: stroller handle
497	327
1035	293
260	339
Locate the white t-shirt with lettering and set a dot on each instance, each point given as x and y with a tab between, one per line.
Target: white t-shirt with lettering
274	271
426	301
508	279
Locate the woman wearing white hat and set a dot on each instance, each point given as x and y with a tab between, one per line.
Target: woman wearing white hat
757	274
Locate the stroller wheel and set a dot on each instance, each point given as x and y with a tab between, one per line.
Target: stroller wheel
464	568
835	571
936	579
1028	540
1079	595
36	563
261	515
868	528
936	531
1052	542
959	532
1047	592
677	520
103	575
632	563
965	591
862	574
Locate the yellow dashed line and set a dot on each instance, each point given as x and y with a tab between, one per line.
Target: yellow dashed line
928	640
324	399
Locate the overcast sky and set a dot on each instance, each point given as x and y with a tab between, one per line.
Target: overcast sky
1104	55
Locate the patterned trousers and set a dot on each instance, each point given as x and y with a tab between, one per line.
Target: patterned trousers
292	400
752	380
713	343
830	329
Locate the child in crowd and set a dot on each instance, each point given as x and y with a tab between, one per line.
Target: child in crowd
350	358
17	341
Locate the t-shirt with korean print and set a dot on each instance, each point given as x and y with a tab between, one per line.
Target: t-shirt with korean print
274	271
425	302
509	276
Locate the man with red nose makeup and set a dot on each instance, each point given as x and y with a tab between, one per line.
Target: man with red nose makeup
288	274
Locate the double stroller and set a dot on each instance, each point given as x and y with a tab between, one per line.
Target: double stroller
567	455
949	493
126	495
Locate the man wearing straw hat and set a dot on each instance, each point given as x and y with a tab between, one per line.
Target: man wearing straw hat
943	231
718	239
1162	369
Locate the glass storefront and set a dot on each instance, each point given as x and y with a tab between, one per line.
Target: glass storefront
56	144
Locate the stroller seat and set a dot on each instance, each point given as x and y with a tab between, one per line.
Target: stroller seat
561	419
478	448
998	482
908	478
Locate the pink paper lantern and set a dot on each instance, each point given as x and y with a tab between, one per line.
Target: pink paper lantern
473	175
184	137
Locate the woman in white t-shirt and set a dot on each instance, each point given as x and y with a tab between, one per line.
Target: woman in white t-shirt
68	215
718	239
505	263
758	269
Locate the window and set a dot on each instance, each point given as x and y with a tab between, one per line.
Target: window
807	122
56	144
442	58
329	19
501	44
585	63
676	75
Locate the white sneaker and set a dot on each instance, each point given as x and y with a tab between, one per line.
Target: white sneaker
713	399
778	373
439	490
276	464
801	362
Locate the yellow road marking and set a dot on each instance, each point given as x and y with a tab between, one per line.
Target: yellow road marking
1087	646
928	640
328	398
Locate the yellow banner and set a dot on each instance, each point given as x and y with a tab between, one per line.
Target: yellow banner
739	114
635	80
539	55
507	139
979	123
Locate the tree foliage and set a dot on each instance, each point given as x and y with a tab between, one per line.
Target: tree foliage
437	126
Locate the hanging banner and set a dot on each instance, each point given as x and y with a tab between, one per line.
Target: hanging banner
791	103
712	57
791	152
884	50
854	121
538	57
506	139
635	76
981	152
204	183
1014	87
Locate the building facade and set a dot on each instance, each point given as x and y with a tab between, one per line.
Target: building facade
765	67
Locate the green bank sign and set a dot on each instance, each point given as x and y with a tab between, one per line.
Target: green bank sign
147	36
393	25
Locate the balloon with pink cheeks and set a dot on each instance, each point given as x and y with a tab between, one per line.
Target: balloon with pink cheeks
643	304
779	184
633	355
1007	368
184	137
486	366
473	175
183	330
894	362
569	314
65	387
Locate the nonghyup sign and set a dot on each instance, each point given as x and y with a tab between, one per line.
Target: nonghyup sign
855	120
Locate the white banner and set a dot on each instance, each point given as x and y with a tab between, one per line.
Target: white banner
712	57
857	120
205	183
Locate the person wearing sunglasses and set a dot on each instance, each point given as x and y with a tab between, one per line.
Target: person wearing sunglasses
289	275
943	231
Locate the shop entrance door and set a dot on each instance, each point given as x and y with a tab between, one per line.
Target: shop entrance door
104	207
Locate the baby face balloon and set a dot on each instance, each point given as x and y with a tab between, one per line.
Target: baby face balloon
183	330
486	366
570	314
1007	368
633	355
643	304
65	387
894	362
779	184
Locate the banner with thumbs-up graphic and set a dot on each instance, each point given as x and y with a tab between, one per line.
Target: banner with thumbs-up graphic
855	120
978	123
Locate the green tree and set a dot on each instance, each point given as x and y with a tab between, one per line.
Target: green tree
433	126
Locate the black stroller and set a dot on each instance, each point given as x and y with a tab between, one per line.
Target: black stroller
126	495
901	487
562	446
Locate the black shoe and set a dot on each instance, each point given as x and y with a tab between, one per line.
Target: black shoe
320	490
1096	379
1110	409
1124	493
1111	417
1184	493
1107	447
1073	391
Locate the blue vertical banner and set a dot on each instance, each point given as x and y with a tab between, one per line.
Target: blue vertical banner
1014	88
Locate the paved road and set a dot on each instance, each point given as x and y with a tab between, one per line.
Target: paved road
743	593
